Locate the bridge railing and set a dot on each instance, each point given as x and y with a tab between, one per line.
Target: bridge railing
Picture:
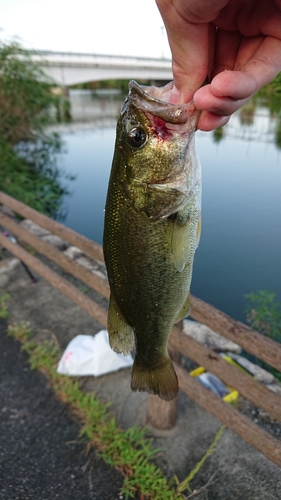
66	68
93	57
162	414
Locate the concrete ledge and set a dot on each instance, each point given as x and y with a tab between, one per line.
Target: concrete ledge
208	337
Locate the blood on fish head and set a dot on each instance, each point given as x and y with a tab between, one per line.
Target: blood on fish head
159	127
155	139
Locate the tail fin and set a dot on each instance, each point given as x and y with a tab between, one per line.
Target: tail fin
161	380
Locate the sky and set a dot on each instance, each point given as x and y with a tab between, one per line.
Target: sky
124	27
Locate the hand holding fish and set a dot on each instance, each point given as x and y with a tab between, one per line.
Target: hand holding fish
236	44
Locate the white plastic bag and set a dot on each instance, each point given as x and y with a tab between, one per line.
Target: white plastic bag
91	355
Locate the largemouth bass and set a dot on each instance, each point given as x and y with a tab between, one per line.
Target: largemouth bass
151	231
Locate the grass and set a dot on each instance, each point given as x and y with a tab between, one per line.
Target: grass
264	314
185	485
4	299
129	451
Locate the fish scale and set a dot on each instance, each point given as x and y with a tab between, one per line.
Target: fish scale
151	231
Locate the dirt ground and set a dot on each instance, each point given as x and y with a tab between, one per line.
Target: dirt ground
241	473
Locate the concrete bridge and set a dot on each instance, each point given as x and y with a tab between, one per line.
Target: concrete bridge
68	68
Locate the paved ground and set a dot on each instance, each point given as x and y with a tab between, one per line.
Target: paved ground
39	457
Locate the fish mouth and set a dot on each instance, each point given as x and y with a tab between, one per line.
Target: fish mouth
152	100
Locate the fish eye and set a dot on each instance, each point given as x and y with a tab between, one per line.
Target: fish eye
137	137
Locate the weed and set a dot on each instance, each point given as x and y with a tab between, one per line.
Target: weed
20	331
184	485
4	299
264	314
129	451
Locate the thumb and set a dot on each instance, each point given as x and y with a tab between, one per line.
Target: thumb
192	57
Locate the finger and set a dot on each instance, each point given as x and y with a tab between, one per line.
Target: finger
205	100
209	121
190	60
260	69
189	45
247	50
192	64
233	84
265	64
227	48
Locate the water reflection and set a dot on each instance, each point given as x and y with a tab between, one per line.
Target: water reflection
96	108
218	134
278	133
247	113
259	118
240	248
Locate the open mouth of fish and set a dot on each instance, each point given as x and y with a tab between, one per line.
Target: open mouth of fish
155	100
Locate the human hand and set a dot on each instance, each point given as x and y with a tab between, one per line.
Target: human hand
236	44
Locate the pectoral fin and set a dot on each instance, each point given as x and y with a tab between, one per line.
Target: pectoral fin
185	238
121	337
180	248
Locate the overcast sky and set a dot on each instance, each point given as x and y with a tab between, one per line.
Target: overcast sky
120	27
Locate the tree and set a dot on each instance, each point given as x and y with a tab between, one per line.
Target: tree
28	168
26	98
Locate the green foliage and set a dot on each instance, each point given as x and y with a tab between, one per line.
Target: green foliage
20	331
264	314
277	138
247	112
218	134
276	83
185	485
25	96
122	85
129	451
28	169
4	299
272	88
34	179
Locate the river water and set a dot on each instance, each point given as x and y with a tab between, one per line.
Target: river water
240	247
